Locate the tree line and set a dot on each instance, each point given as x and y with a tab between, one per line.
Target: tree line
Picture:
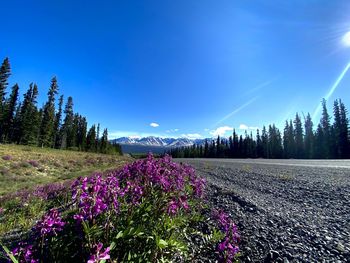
52	125
298	140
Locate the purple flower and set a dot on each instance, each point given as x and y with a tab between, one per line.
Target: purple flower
228	248
24	253
99	254
51	223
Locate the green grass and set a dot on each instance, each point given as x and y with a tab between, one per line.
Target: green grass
24	167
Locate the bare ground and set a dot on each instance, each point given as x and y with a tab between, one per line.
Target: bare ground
286	210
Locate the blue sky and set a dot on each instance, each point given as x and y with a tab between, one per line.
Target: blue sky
194	68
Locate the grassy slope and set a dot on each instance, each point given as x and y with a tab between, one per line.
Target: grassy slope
29	166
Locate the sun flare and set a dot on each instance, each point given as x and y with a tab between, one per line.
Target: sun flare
346	39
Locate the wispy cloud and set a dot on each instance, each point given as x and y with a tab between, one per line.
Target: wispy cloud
192	136
236	110
154	124
221	131
261	85
172	130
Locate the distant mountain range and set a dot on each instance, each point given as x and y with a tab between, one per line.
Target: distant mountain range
158	141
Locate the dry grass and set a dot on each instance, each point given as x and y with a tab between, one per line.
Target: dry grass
23	167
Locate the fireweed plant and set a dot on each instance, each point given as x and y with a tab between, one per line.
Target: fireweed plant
144	212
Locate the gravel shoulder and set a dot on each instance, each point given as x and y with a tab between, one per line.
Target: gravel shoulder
286	211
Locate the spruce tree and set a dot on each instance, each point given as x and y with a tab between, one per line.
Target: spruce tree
30	117
9	114
298	137
259	145
286	141
67	127
47	127
104	142
91	139
344	132
5	72
309	137
265	143
326	130
57	126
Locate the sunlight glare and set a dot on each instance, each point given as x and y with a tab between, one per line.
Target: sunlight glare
346	39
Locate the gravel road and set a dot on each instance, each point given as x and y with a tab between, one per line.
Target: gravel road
286	210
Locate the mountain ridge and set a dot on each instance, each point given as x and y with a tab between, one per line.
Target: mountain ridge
158	141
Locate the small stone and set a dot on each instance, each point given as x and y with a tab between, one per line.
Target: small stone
340	247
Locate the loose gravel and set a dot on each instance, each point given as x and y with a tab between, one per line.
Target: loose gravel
285	213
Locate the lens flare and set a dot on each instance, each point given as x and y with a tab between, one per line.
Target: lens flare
346	39
331	91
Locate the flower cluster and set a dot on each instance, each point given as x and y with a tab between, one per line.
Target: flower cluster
97	194
228	248
110	206
99	254
25	253
51	223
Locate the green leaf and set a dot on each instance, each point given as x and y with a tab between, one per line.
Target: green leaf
120	235
162	243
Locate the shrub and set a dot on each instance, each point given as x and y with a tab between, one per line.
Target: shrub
143	212
33	163
7	157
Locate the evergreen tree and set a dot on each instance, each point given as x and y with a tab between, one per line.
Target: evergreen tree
286	141
57	125
67	128
326	130
259	145
344	143
265	143
91	139
30	117
309	137
5	72
104	142
97	140
9	114
298	137
47	127
81	135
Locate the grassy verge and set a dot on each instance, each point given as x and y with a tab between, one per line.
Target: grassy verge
25	167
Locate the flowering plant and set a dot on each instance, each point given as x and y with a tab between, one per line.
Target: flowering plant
142	212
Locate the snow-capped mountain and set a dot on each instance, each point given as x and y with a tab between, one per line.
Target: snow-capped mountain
158	141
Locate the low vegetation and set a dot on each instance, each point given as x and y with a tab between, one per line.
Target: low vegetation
25	167
151	210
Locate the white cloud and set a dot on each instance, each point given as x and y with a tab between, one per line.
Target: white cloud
243	127
192	136
246	127
221	131
206	129
154	124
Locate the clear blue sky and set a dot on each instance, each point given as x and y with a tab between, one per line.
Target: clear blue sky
189	66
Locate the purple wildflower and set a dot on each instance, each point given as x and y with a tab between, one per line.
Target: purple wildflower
25	253
51	223
99	254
